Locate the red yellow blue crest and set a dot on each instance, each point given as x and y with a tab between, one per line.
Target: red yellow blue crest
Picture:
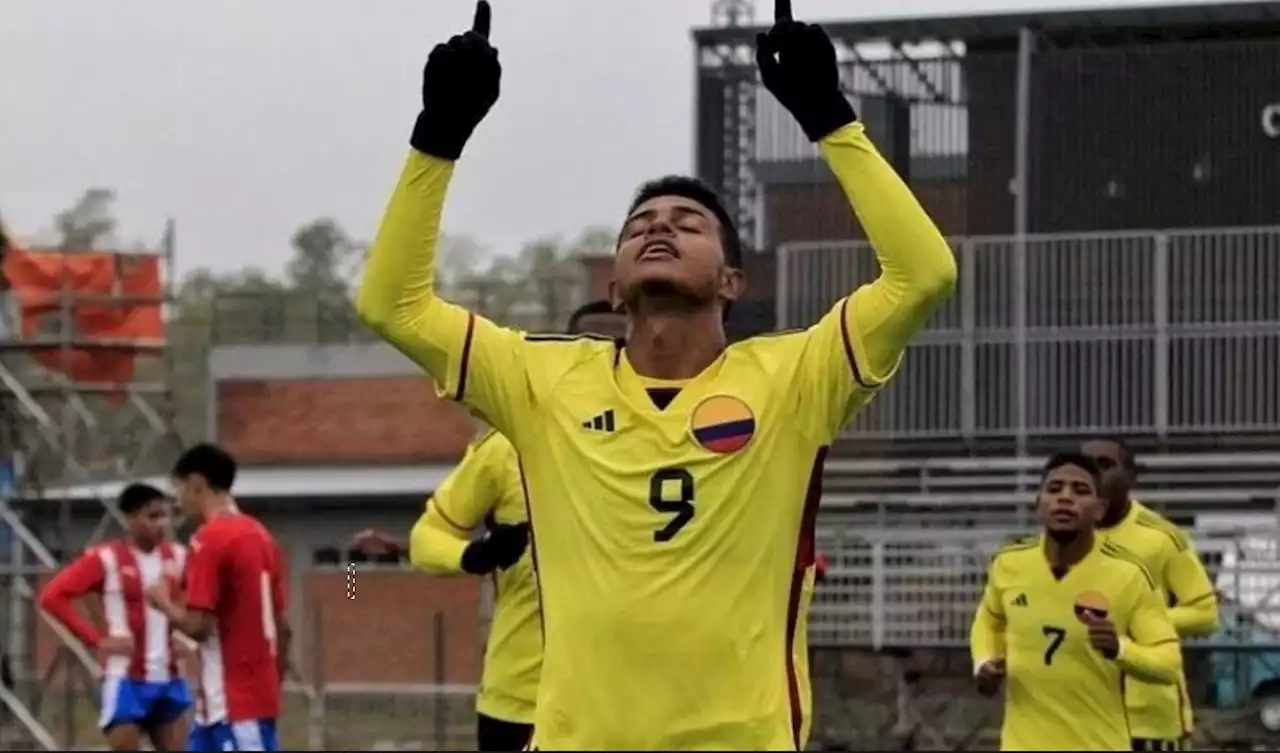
722	424
1091	604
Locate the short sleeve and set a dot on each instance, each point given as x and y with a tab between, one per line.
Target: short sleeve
204	575
474	488
836	380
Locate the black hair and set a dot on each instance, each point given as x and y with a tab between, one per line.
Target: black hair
209	461
135	496
695	190
1077	459
1127	455
594	308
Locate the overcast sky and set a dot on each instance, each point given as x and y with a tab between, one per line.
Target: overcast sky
243	118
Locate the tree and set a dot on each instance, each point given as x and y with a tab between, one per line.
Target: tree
322	258
87	224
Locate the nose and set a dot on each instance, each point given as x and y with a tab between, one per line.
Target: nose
660	227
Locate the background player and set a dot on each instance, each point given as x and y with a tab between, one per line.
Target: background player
485	489
666	534
141	688
235	607
1065	617
1160	715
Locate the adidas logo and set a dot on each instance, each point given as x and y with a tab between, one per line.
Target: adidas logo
602	422
1020	601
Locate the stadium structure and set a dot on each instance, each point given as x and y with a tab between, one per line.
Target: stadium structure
1109	181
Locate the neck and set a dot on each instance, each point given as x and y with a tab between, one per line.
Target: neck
676	344
1065	552
220	505
1117	510
144	545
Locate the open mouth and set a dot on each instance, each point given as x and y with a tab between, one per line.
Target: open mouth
656	250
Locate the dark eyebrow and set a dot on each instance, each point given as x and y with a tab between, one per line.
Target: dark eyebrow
680	211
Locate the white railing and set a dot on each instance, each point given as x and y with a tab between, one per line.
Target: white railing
1150	332
918	588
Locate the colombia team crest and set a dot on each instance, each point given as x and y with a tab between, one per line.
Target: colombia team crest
1091	603
722	424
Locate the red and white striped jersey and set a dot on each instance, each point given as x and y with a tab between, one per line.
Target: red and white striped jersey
235	572
121	573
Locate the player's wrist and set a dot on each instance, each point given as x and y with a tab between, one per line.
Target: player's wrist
435	136
826	117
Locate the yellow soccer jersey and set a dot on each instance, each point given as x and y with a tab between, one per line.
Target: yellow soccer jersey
665	540
800	655
1060	693
485	487
1157	711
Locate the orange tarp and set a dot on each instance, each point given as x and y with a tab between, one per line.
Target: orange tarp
108	296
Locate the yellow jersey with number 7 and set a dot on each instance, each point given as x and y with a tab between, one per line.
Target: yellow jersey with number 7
1061	693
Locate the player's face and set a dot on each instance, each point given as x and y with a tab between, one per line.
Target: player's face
1068	500
609	325
190	491
670	250
1117	480
150	525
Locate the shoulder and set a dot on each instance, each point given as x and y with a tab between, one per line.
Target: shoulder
554	356
1124	560
493	451
768	352
1014	551
1157	524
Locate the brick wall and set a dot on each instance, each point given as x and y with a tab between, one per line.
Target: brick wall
367	420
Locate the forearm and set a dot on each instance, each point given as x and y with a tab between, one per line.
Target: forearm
192	623
1196	619
986	637
917	267
397	296
435	546
1158	662
63	610
284	646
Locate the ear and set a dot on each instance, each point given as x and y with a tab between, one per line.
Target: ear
733	284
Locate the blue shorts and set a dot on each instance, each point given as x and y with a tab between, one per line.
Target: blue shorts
146	704
255	734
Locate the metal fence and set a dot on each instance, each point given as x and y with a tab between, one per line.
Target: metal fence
890	666
1158	333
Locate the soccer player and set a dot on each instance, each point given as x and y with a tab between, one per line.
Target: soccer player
1160	715
1066	619
142	691
234	607
672	478
485	491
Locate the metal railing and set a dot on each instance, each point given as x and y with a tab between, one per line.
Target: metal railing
1161	333
919	588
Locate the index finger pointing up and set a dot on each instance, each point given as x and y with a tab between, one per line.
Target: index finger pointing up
782	10
484	15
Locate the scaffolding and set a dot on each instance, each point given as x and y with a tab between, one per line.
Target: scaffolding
60	436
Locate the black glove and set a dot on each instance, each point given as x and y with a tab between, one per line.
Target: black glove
500	548
798	66
459	86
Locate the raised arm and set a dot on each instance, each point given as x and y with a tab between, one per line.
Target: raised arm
857	346
471	359
441	540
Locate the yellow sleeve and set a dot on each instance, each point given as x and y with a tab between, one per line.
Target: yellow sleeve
472	360
856	347
1195	608
1150	650
986	635
469	494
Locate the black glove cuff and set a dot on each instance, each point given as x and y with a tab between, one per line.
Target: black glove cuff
476	558
826	118
434	136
